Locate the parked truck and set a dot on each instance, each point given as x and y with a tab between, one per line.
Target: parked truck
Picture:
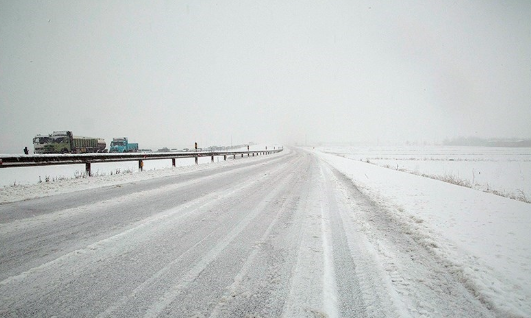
66	142
123	145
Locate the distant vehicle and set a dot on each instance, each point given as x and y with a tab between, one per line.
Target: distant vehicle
66	142
123	145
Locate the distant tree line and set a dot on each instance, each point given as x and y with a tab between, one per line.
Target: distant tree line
483	142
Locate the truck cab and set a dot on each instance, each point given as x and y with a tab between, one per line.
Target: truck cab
122	145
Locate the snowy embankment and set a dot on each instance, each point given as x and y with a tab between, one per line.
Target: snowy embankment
483	238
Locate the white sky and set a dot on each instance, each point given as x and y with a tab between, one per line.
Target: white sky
168	73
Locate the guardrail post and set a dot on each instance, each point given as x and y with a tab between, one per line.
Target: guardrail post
141	165
173	162
87	169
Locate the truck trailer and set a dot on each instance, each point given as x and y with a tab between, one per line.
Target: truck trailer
66	142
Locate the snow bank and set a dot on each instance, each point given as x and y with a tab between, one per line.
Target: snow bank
483	238
63	180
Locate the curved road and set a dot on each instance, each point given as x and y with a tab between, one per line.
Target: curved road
279	236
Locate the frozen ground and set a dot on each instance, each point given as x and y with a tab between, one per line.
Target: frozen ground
482	237
61	179
504	171
296	234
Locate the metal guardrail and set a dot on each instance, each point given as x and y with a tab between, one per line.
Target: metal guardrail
88	159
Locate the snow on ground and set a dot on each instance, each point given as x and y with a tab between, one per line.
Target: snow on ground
32	175
22	183
482	237
505	171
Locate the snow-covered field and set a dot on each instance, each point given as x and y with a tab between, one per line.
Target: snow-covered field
503	171
483	237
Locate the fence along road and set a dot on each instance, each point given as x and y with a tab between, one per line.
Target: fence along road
88	159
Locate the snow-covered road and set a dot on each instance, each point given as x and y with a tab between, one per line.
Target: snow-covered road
286	235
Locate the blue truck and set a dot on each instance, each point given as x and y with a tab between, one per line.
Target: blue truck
123	145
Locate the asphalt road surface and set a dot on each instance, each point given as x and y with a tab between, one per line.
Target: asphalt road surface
279	236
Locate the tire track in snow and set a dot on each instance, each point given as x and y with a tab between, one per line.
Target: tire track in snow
233	289
264	284
166	270
109	244
169	296
106	248
64	231
330	294
17	225
305	295
418	282
348	291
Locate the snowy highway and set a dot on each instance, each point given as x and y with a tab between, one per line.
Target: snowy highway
274	236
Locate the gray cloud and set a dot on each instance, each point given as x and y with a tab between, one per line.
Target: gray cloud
168	74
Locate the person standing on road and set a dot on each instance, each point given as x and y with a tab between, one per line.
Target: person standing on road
26	150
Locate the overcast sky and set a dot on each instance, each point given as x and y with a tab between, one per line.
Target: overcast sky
168	73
